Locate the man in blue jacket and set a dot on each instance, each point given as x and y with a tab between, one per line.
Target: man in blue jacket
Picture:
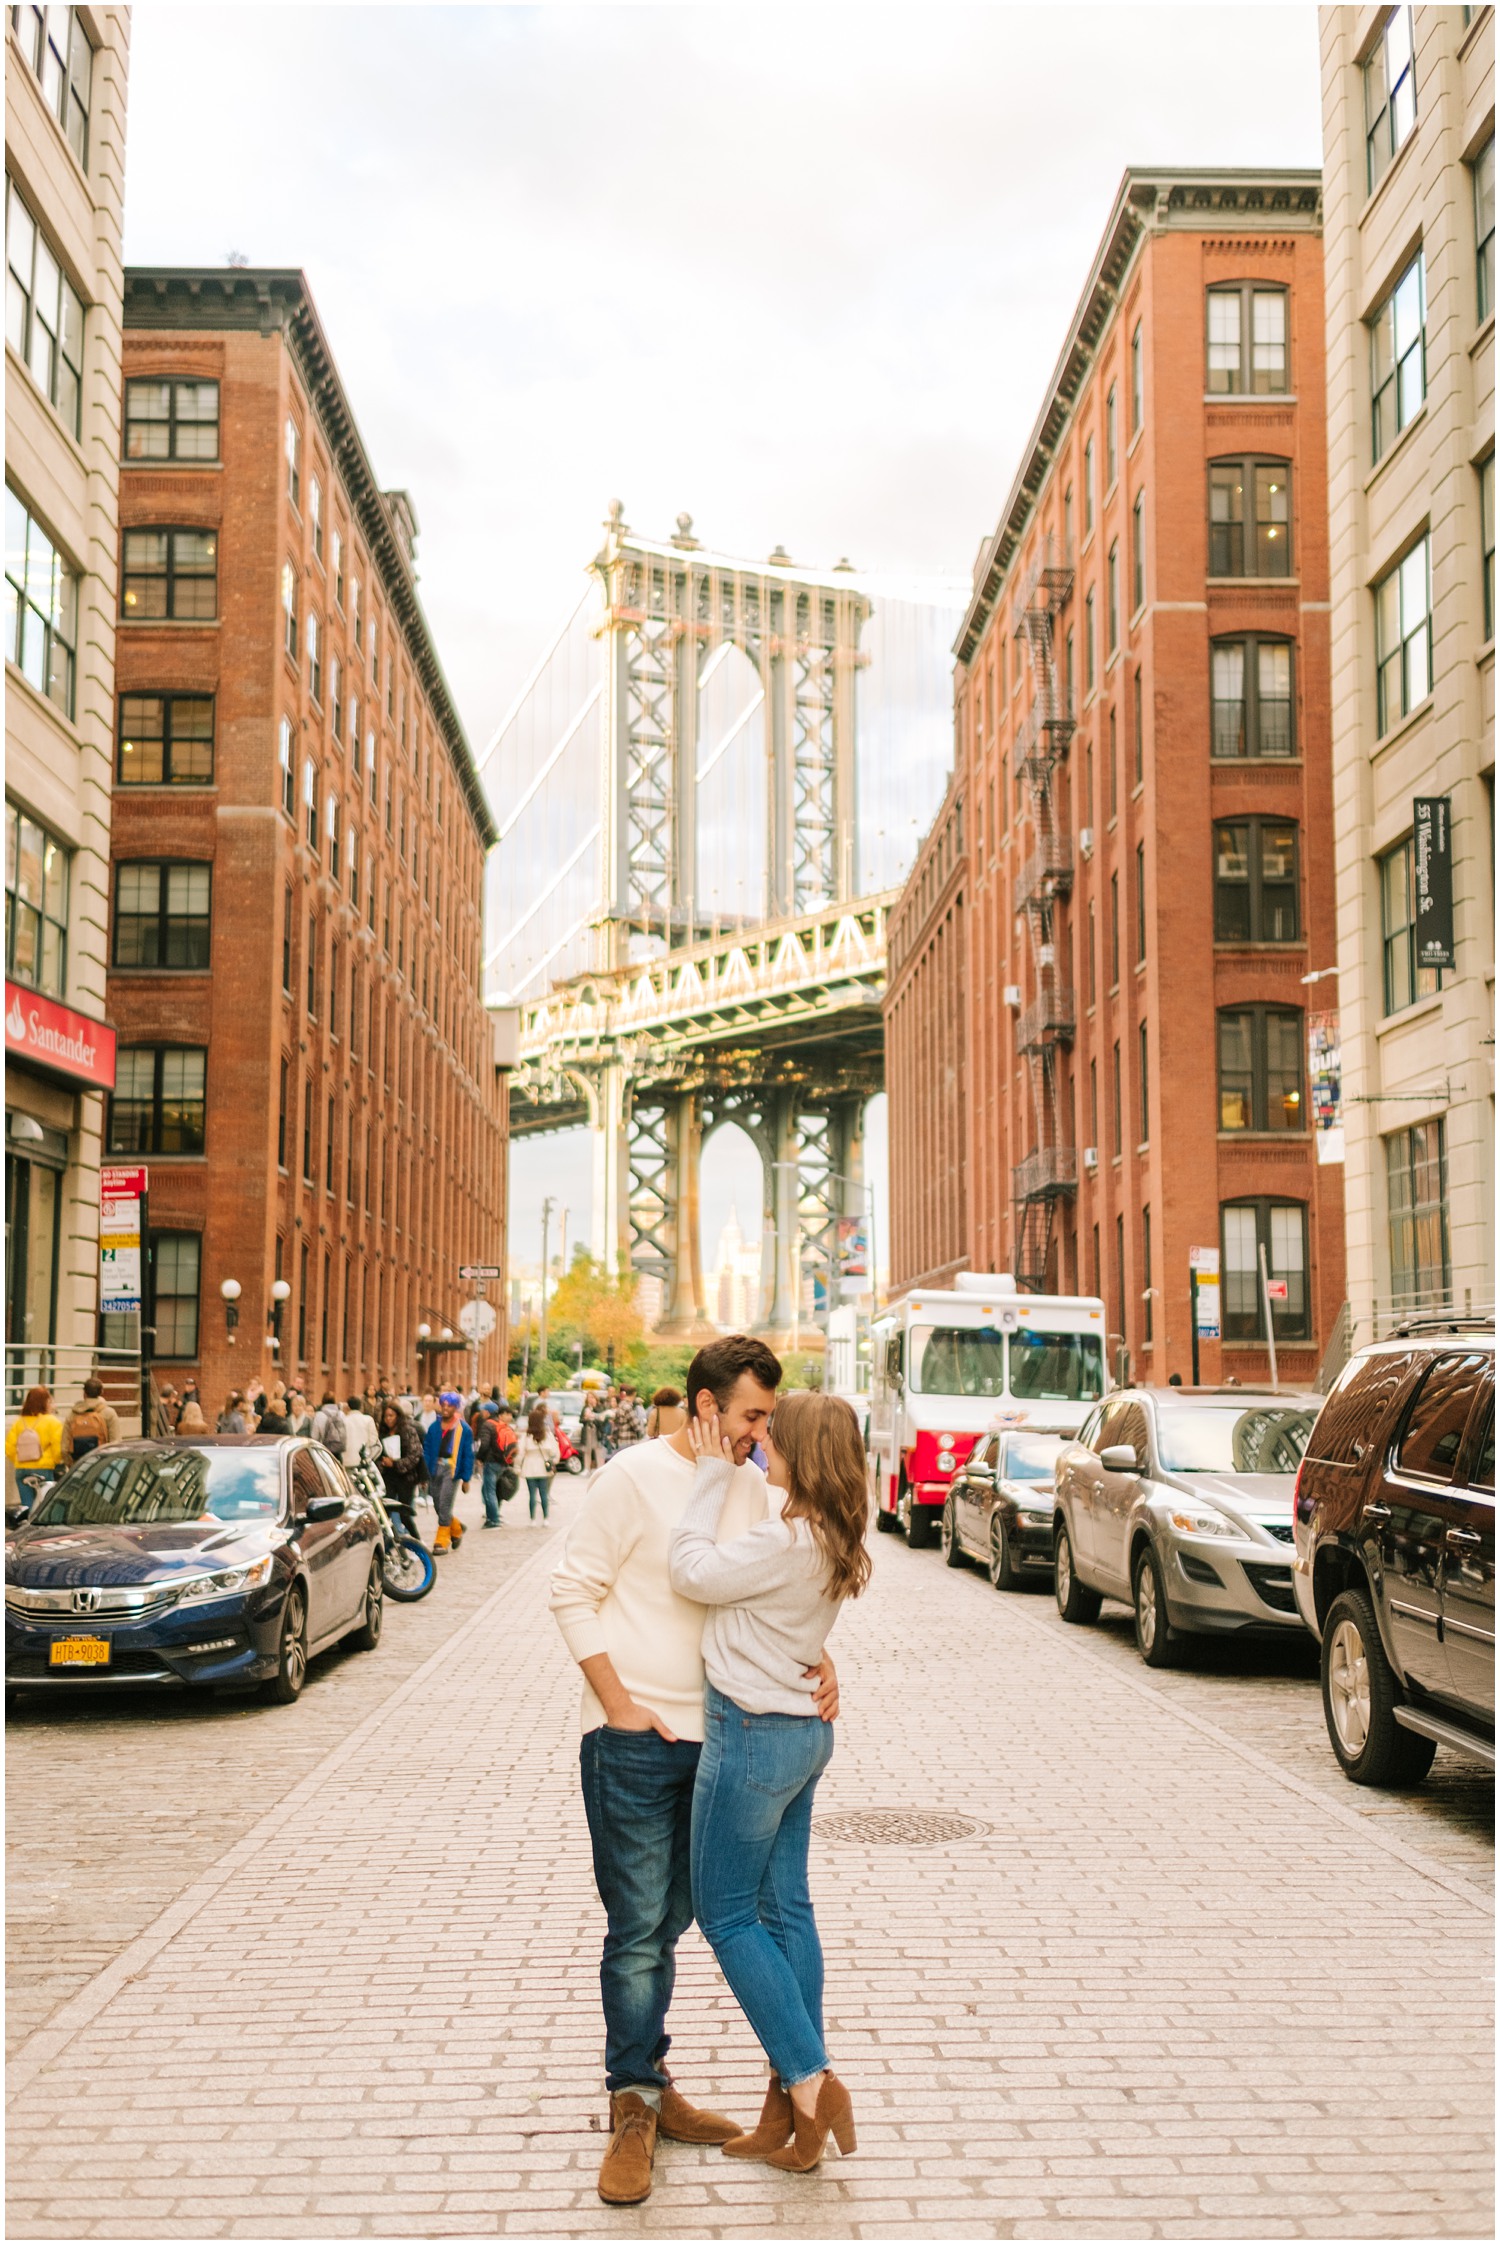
448	1448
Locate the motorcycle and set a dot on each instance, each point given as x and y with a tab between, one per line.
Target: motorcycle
407	1567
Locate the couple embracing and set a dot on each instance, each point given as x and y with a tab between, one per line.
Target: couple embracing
696	1593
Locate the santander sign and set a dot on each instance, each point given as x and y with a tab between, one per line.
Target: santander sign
56	1038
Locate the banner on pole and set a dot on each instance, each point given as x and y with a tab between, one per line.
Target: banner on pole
1325	1076
121	1192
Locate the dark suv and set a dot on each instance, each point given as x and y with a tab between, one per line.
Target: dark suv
1394	1526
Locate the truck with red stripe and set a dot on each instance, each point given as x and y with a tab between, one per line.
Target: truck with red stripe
951	1365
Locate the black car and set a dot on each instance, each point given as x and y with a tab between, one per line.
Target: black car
1394	1521
222	1561
999	1509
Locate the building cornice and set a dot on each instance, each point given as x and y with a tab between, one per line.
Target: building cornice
1146	202
256	300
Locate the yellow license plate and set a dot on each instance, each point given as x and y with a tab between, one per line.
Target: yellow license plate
79	1652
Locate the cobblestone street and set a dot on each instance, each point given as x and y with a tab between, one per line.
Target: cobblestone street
331	1970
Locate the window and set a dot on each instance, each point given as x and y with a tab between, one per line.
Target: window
281	1102
1484	228
1398	357
284	758
1416	1187
56	46
1068	523
1140	902
1138	713
1112	603
41	607
162	915
172	574
170	420
1390	95
1093	975
315	511
43	314
1138	553
335	697
1403	636
329	1151
1255	881
1439	1412
1249	518
1089	668
166	740
1088	488
1280	1227
1119	1102
1114	930
1137	380
158	1103
1487	541
1111	438
307	1144
310	802
293	444
338	567
1143	1069
1252	697
314	660
1247	339
36	904
331	826
1260	1068
333	988
1406	979
1114	766
286	942
1094	1107
175	1263
1148	1291
312	964
1070	700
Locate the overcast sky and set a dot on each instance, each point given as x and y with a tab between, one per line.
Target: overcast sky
803	272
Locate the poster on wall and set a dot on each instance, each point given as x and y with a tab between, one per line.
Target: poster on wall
1325	1077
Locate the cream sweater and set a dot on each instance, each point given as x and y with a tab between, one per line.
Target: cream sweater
612	1589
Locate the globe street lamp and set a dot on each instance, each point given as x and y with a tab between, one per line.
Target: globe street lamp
280	1295
229	1288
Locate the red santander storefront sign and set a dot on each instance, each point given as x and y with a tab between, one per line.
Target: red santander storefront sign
57	1039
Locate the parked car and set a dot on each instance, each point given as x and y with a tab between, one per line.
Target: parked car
221	1560
1179	1501
999	1509
1395	1552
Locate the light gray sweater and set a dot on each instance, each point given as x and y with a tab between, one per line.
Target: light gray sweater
766	1591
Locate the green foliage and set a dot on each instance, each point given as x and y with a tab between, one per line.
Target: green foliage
661	1365
801	1372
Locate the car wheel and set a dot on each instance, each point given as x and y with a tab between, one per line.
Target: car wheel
953	1550
1075	1601
1360	1698
1002	1569
367	1636
291	1658
1153	1631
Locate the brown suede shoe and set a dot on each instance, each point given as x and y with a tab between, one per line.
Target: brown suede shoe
773	2129
682	2123
625	2170
832	2115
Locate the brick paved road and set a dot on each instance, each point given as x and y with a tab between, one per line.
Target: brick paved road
1188	1983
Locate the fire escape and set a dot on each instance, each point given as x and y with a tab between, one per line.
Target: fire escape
1050	1170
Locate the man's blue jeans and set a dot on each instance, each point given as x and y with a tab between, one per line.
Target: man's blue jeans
638	1797
752	1818
490	1493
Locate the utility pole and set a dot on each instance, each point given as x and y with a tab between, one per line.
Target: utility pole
547	1207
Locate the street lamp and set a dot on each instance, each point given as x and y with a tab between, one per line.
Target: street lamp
229	1288
281	1294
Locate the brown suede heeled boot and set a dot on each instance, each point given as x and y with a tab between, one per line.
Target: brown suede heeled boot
833	2114
625	2171
771	2131
682	2123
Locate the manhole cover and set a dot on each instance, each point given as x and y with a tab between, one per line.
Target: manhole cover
877	1827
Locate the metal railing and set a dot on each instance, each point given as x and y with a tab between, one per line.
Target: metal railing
1391	1311
1052	1013
1051	1169
62	1370
1047	873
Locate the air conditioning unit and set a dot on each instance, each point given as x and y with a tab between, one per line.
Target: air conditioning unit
1086	840
1013	995
1091	1157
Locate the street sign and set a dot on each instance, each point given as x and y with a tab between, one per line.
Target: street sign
477	1320
1432	879
480	1270
121	1194
1204	1260
1275	1289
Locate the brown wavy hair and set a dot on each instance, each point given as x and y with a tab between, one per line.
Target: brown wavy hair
819	1437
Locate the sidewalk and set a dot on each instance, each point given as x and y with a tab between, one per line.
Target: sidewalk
1174	1989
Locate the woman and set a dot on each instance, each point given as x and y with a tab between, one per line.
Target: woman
190	1420
593	1424
274	1417
231	1419
536	1455
34	1444
403	1468
666	1415
773	1595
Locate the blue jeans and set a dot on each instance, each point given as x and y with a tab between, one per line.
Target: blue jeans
539	1485
752	1816
490	1493
638	1797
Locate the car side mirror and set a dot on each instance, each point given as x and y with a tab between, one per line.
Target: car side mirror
980	1470
320	1509
1119	1457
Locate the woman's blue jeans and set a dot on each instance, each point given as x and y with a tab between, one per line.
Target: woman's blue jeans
752	1817
538	1486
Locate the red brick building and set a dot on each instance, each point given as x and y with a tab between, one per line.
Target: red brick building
306	1067
1142	753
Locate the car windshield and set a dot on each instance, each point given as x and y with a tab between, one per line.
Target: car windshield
569	1403
155	1488
957	1360
1029	1457
1251	1438
1056	1367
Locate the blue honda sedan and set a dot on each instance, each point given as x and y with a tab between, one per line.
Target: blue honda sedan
220	1561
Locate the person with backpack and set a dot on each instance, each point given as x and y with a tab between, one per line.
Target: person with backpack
90	1422
328	1425
34	1444
361	1436
448	1448
487	1450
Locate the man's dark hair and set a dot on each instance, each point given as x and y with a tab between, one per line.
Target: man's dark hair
718	1366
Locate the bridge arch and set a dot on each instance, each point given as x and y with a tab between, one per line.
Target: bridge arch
731	791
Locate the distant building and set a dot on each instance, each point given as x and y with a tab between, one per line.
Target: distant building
65	88
1409	243
734	1282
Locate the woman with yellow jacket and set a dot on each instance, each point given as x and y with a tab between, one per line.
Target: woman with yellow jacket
34	1444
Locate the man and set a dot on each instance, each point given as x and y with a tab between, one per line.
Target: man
487	1454
328	1426
639	1647
91	1422
361	1435
448	1448
627	1429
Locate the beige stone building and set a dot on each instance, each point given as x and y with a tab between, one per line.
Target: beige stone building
65	85
1409	215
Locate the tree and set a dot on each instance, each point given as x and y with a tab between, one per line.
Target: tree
590	1305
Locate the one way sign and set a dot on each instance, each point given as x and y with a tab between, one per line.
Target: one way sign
479	1270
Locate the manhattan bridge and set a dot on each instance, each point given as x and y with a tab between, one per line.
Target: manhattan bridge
709	792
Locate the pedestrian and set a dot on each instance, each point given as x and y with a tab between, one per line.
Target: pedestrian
639	1646
361	1436
168	1404
428	1411
537	1456
231	1419
254	1401
90	1422
275	1417
625	1429
773	1595
33	1444
190	1419
666	1415
593	1425
448	1448
403	1468
488	1453
328	1426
